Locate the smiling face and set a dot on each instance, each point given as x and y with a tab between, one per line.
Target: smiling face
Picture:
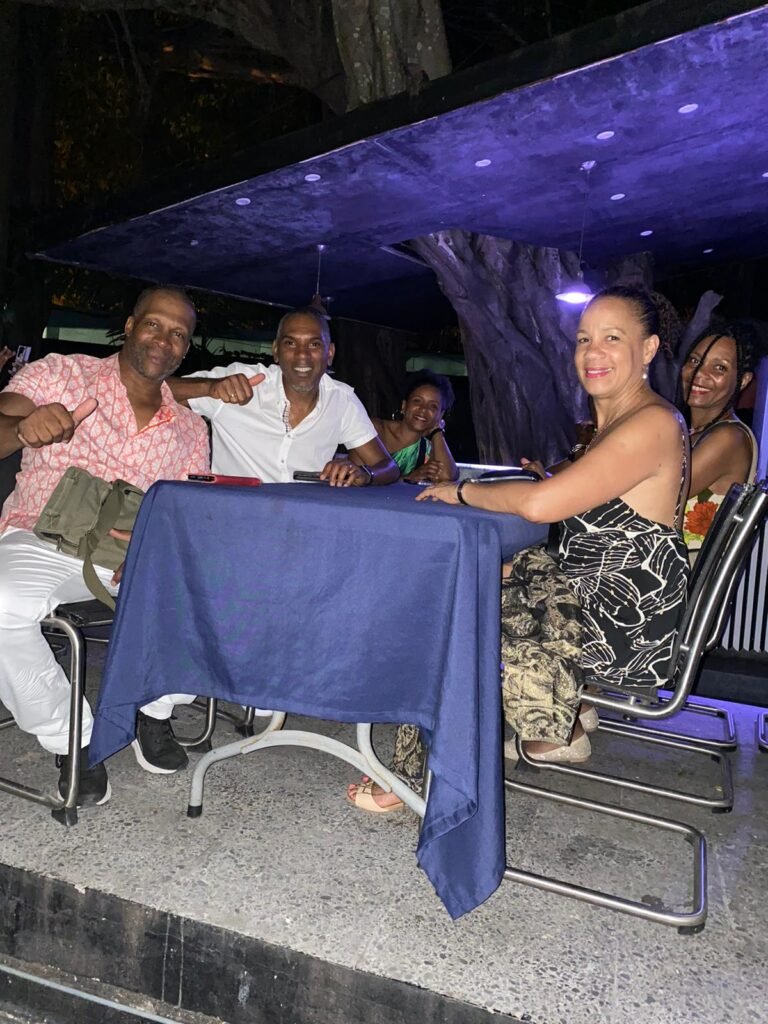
423	408
304	350
612	349
709	375
157	335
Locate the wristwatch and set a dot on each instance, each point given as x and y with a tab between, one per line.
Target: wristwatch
460	488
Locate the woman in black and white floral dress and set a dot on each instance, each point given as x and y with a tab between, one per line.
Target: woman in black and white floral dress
610	604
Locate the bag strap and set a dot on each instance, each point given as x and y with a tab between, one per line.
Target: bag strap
423	451
109	513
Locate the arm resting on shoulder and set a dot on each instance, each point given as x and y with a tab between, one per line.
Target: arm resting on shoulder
234	389
184	388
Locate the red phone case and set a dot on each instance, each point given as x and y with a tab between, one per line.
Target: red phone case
231	481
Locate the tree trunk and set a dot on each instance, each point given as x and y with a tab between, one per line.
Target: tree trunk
389	46
525	395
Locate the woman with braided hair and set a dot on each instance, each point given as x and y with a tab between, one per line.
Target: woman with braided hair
716	369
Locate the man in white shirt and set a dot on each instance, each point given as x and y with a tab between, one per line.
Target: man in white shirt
296	417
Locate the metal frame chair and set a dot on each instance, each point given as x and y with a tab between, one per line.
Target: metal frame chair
74	624
713	585
631	704
762	731
67	621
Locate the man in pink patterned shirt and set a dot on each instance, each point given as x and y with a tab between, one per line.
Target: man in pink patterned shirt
116	418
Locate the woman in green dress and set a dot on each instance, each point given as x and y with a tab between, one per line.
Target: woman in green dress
415	437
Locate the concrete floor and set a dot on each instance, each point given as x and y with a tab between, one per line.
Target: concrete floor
279	855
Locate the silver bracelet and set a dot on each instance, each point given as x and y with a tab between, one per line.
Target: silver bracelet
369	471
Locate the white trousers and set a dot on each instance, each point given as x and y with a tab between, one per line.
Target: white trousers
34	579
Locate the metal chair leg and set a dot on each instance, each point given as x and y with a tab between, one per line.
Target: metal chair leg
687	922
762	731
63	810
242	723
721	803
727	742
210	706
245	727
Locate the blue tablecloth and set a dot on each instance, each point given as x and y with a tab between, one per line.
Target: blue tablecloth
354	604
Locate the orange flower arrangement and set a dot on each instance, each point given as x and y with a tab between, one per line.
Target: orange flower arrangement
699	519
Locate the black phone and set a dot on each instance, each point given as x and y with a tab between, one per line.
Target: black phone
510	473
304	476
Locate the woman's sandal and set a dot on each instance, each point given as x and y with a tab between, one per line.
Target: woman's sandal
590	720
576	752
364	800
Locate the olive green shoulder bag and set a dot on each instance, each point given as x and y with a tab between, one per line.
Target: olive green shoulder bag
78	516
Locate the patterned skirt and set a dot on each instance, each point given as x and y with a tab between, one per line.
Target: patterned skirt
541	660
541	636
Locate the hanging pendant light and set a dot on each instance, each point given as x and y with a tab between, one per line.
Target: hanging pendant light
317	299
575	291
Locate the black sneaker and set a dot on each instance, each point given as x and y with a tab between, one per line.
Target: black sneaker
94	785
155	746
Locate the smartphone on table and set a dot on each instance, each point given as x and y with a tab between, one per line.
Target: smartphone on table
218	478
302	476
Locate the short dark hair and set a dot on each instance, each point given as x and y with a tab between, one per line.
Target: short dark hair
320	318
434	380
749	339
642	302
172	289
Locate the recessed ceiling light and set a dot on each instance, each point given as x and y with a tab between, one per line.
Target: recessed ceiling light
243	201
688	108
194	242
707	251
618	195
604	136
646	234
312	177
483	163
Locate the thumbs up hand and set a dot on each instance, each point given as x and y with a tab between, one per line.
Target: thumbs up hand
236	389
52	424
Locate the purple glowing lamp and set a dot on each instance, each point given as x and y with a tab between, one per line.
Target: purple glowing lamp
575	292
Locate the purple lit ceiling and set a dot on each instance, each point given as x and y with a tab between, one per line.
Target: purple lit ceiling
697	180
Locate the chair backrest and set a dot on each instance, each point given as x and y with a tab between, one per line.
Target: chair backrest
9	467
716	574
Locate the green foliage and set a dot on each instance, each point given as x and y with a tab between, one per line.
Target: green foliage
123	118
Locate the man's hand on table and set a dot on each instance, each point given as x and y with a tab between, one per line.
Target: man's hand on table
344	473
52	424
237	389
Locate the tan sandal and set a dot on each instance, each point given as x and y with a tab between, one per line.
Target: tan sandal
576	752
364	800
590	720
